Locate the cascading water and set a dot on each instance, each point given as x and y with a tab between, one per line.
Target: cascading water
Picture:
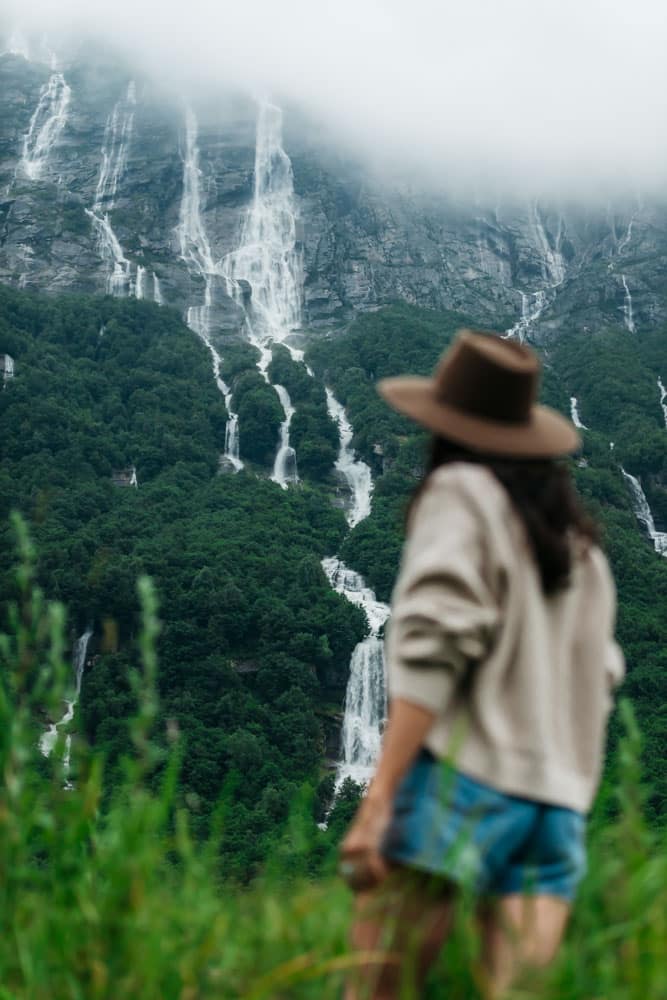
356	473
117	136
48	739
554	272
532	307
46	125
642	512
269	261
157	291
628	318
663	397
627	237
553	265
115	145
140	282
196	252
284	467
574	413
365	698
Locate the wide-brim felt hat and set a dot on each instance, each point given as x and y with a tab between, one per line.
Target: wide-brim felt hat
483	395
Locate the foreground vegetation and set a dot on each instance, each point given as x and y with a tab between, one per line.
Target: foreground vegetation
111	898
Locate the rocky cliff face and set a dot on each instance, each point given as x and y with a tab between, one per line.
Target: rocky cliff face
534	266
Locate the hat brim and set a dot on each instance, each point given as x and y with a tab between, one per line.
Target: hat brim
546	434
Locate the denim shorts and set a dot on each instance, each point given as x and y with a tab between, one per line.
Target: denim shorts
453	826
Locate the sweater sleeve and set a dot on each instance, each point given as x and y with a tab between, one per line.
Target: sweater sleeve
613	658
615	664
445	613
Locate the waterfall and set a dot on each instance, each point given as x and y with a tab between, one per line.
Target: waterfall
628	236
574	413
157	291
232	452
553	265
115	144
553	270
140	282
47	122
196	252
284	467
627	307
532	307
356	473
642	512
663	397
119	267
48	739
365	699
269	260
365	696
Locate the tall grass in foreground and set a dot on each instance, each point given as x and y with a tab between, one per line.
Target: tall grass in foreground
115	900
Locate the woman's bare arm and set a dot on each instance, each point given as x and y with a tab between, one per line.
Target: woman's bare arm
407	727
408	724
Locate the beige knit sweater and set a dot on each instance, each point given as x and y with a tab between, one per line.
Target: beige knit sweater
520	682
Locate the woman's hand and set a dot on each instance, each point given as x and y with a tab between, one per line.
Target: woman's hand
361	863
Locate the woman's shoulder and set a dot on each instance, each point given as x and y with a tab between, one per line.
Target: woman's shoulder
596	566
469	483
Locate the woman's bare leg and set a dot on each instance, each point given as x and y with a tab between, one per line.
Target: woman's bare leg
408	921
520	932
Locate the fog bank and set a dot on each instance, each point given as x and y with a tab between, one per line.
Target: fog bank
564	97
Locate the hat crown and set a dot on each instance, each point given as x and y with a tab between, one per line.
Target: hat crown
489	378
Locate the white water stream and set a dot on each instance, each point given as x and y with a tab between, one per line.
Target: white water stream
365	698
284	467
195	250
574	413
115	145
663	397
627	237
269	260
628	318
552	265
140	282
46	125
355	472
48	739
643	513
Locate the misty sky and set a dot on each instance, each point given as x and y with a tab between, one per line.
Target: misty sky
570	95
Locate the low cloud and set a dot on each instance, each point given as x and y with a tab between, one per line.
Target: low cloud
566	97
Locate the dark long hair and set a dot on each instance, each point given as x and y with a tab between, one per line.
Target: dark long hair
543	496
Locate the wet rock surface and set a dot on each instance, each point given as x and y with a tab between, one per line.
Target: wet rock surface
365	241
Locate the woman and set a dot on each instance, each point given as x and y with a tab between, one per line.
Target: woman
500	659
